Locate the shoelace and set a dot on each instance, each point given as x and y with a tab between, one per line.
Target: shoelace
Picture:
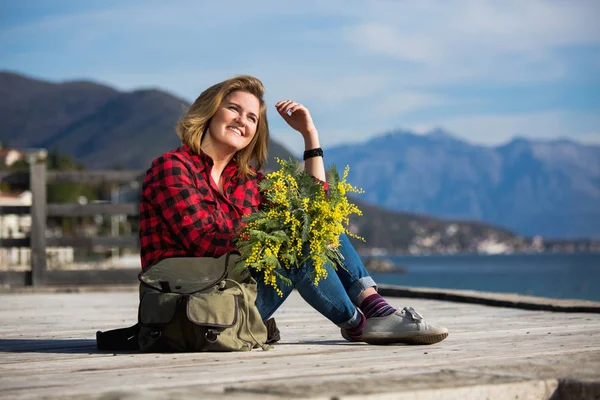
413	313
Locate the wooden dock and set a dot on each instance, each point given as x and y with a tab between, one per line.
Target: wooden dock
47	350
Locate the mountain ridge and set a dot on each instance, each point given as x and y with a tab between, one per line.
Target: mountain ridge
93	122
545	187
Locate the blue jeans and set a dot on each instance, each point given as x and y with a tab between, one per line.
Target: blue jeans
334	297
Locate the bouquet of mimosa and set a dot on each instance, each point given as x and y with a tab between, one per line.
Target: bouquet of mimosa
299	221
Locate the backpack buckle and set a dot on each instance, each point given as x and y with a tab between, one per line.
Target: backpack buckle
155	334
211	336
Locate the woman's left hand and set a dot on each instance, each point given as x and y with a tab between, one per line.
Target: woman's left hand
297	116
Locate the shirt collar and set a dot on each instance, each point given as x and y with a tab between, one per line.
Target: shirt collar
203	161
200	160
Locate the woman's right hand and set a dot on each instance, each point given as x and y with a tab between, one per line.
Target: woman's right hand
297	117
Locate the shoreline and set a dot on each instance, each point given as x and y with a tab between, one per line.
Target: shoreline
494	299
369	253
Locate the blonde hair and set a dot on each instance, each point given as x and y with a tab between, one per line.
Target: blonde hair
193	124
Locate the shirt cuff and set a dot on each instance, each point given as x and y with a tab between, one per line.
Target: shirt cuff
324	183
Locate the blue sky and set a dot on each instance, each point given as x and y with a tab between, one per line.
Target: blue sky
484	70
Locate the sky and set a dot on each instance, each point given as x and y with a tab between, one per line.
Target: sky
486	71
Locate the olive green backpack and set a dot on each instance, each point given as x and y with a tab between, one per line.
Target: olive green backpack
199	304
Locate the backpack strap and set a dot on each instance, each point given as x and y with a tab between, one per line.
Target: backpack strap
118	339
262	345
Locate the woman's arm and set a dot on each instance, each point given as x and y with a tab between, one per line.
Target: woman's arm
298	117
171	192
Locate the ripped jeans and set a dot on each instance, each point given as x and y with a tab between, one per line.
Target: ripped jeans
334	297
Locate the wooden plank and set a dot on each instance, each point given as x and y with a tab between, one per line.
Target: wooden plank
14	242
93	277
84	210
493	299
117	276
92	177
95	177
77	241
48	350
14	177
15	278
16	210
37	172
92	241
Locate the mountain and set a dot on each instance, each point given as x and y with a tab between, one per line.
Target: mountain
99	126
404	232
549	188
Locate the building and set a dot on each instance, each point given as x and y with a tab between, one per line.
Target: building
9	156
18	227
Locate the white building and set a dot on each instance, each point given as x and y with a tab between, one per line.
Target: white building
18	227
491	246
9	156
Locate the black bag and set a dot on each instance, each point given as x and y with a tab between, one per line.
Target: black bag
123	339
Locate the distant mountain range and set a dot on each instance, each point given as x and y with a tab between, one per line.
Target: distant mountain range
97	125
549	188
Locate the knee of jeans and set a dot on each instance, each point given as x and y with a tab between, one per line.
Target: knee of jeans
344	239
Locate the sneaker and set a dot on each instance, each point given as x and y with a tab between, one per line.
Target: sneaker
273	334
404	326
347	337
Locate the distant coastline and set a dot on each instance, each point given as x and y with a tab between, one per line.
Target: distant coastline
518	246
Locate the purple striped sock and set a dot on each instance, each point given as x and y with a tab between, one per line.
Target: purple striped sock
356	332
376	306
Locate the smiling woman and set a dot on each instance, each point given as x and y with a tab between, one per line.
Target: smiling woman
231	129
237	103
195	197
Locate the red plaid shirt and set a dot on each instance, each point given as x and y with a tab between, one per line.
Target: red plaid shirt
183	214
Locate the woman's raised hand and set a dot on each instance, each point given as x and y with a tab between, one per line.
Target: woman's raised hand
297	116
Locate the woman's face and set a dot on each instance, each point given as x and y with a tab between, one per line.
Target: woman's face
234	124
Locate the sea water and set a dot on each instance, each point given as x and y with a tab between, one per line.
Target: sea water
564	276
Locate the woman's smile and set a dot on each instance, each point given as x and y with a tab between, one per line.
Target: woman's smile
235	130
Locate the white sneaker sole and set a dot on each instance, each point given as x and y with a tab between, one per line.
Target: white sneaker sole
413	338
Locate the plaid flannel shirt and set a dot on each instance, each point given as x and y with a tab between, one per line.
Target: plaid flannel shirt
183	214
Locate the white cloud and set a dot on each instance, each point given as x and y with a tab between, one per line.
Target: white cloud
404	101
493	129
390	41
462	41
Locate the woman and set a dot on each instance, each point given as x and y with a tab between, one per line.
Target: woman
194	197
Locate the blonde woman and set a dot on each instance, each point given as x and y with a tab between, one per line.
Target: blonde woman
194	197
